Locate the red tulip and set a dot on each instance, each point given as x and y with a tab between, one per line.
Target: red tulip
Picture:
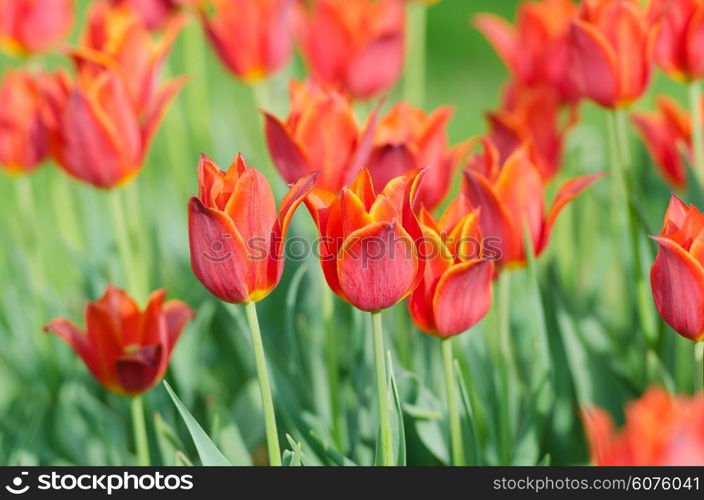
679	27
357	45
368	242
610	52
236	237
667	135
677	275
253	38
536	49
455	292
101	137
406	139
511	196
29	26
126	349
24	134
155	14
320	135
116	37
533	116
660	430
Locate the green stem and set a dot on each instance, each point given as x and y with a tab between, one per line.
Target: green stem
507	358
695	102
332	364
414	79
452	408
699	366
64	194
382	391
32	237
124	249
272	435
140	431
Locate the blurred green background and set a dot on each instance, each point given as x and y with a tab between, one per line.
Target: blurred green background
575	336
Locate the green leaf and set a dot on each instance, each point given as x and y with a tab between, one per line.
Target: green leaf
208	452
475	453
167	440
398	429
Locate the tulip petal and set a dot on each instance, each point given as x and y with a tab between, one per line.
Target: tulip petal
363	187
389	161
77	339
376	266
662	147
593	64
463	296
218	253
376	67
177	315
252	207
677	281
695	42
363	148
287	155
138	370
675	215
156	113
500	34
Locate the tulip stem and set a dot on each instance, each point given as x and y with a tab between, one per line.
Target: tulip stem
124	248
272	435
504	335
699	366
140	431
695	102
382	391
414	79
452	408
333	364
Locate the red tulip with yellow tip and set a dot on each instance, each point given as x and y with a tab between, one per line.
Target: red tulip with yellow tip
356	45
236	235
126	349
677	275
610	52
253	38
511	197
455	292
320	134
31	26
368	241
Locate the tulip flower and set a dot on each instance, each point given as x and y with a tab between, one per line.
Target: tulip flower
679	28
667	135
31	26
101	136
126	349
236	237
24	136
116	37
677	275
253	38
532	116
535	50
610	48
511	197
455	292
321	135
155	14
660	430
357	45
407	138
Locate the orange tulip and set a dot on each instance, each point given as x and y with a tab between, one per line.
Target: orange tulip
320	135
357	45
610	52
253	38
679	28
660	430
369	243
24	133
116	37
126	349
667	135
100	136
535	50
236	237
511	196
455	292
30	26
407	138
533	116
677	275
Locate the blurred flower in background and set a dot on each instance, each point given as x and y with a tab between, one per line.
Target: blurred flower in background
357	45
155	14
660	430
125	348
30	26
253	38
320	134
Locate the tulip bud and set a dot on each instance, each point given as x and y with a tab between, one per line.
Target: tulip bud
126	349
679	28
236	236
